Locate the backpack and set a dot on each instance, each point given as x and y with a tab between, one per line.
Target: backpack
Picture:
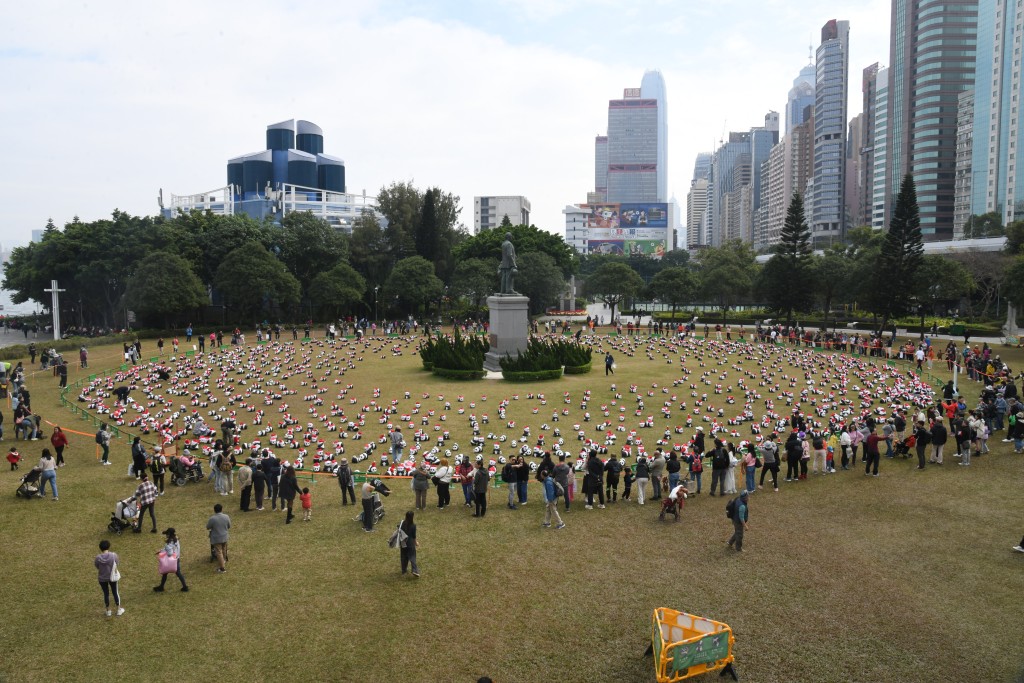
225	463
99	437
730	508
721	459
818	443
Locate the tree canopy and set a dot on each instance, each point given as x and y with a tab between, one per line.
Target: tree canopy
525	238
613	282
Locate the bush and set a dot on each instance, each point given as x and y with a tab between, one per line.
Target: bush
578	369
571	353
539	355
462	355
531	375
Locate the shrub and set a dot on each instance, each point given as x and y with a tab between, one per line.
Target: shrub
455	357
578	369
571	353
531	376
539	355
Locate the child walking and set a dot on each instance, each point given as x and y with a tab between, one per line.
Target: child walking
13	457
627	479
307	504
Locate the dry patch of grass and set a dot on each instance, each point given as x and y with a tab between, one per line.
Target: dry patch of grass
907	577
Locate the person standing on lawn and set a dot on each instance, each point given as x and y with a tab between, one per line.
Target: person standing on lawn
103	440
872	456
408	551
172	548
105	564
551	501
740	515
770	455
592	482
245	482
444	483
218	525
59	441
938	440
561	475
346	482
145	495
366	492
481	480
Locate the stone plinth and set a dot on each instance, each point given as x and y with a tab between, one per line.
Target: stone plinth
509	328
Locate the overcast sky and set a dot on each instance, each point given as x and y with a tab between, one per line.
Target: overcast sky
105	102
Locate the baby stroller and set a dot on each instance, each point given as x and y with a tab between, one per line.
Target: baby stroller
902	448
379	489
29	486
123	516
183	471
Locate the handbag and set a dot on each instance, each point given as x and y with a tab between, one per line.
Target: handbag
398	538
115	574
168	564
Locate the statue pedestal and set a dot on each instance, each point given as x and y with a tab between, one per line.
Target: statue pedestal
509	328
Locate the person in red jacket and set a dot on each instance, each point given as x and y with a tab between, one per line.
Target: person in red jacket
60	441
871	454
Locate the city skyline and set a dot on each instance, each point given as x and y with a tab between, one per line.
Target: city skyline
105	107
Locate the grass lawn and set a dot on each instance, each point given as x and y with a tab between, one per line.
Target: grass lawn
907	577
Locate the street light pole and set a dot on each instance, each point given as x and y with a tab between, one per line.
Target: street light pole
375	288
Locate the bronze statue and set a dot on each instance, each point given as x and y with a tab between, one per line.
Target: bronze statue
507	270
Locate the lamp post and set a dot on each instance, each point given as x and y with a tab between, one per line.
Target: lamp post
375	288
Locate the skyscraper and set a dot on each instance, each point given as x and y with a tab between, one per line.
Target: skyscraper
964	167
997	177
721	180
632	160
880	152
828	205
866	167
801	96
931	61
697	201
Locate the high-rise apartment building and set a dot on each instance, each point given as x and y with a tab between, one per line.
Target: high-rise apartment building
631	161
801	96
488	212
696	207
828	202
997	176
697	201
852	191
869	88
931	61
576	232
964	166
723	163
880	152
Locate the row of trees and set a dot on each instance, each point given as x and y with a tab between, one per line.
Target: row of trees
885	273
167	270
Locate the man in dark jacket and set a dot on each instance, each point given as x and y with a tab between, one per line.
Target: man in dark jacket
939	438
593	484
272	468
561	474
794	451
719	467
612	469
346	482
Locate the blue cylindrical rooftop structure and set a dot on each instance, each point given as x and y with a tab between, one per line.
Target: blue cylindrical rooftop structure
330	173
257	173
281	135
310	138
302	169
236	175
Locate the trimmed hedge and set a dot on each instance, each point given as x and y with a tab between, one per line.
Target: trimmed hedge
427	365
578	369
460	374
531	375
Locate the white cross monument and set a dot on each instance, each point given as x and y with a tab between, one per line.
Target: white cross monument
55	307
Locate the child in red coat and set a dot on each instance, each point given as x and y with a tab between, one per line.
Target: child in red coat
14	458
307	504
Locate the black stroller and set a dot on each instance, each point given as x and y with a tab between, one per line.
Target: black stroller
29	486
182	473
123	516
379	489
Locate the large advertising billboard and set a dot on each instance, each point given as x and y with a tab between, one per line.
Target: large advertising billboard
638	228
650	215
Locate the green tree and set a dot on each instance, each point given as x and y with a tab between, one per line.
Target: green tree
337	290
1013	282
540	279
676	257
986	225
673	286
526	238
612	283
255	284
901	257
427	229
831	275
475	279
786	280
941	279
309	246
1015	238
727	273
412	284
164	287
506	222
372	255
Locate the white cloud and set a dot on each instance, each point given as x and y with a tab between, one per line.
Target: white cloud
106	103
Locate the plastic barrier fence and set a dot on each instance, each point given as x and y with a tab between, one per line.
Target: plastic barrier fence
686	645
